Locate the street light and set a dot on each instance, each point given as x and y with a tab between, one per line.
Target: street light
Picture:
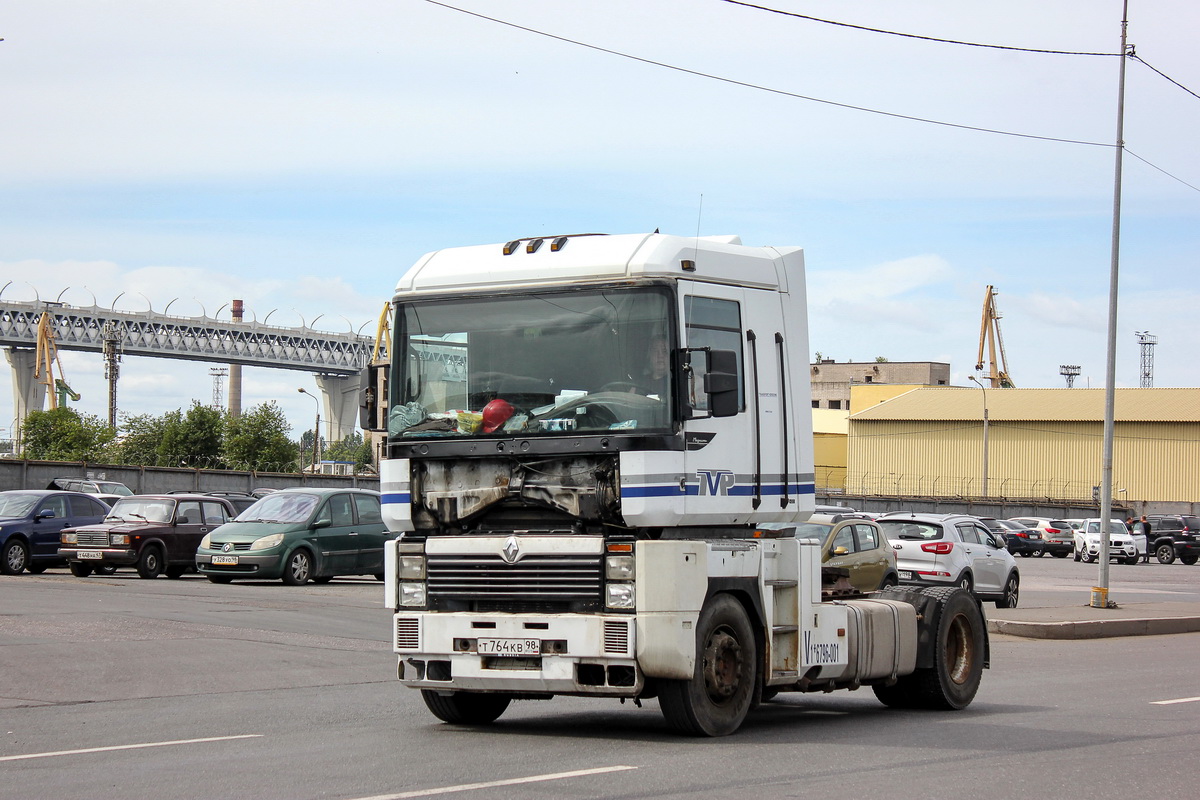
985	431
316	428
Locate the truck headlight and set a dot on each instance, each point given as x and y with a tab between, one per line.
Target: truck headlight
618	568
620	595
118	538
267	542
69	538
412	568
412	595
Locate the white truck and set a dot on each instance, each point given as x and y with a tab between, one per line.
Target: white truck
596	447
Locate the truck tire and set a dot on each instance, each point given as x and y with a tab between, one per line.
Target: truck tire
719	695
466	708
1165	554
1189	560
959	651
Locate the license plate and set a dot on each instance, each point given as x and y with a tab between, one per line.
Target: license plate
224	559
1035	536
90	555
508	647
905	575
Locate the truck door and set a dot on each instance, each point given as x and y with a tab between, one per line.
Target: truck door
734	465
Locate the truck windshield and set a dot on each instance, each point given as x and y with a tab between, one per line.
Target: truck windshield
548	363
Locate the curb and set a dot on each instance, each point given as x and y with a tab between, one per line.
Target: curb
1095	629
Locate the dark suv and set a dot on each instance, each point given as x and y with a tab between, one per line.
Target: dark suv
1174	536
155	532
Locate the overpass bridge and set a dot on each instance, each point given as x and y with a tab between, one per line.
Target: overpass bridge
333	358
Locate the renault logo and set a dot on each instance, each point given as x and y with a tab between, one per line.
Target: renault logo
227	547
511	552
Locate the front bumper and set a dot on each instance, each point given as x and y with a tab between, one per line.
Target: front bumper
99	555
579	654
249	565
1124	551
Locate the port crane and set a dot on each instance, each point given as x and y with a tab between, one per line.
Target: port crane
989	336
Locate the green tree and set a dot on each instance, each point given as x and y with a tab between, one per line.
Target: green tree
139	439
260	439
353	448
194	439
64	434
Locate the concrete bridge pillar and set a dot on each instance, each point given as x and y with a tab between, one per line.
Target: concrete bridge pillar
339	396
28	394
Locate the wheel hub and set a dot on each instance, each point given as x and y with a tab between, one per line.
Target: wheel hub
722	665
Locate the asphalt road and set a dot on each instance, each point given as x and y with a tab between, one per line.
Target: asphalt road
124	688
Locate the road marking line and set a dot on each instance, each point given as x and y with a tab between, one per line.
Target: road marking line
1173	702
130	747
468	787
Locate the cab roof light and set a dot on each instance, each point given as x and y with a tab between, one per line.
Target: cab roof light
687	265
511	247
558	244
533	245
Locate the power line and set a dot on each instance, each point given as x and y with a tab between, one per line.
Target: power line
761	88
1138	58
955	41
1163	171
915	35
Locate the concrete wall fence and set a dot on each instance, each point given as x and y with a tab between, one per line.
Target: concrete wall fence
24	474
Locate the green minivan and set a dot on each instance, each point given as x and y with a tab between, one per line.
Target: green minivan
298	535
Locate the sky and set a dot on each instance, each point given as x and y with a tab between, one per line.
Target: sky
300	156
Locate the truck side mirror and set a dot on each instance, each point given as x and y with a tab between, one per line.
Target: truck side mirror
372	390
721	383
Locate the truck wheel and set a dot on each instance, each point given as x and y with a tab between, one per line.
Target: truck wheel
717	698
466	708
1165	554
149	562
79	569
15	557
959	652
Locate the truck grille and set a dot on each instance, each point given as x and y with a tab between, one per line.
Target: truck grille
541	582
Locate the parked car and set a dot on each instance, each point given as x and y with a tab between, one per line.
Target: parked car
856	544
1174	536
952	550
1121	544
108	491
31	521
1058	535
157	533
240	500
299	535
1021	540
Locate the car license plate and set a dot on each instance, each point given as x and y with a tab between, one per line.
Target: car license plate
90	555
224	559
508	647
905	575
1035	536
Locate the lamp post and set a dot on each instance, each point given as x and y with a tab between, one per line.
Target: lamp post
316	428
985	431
